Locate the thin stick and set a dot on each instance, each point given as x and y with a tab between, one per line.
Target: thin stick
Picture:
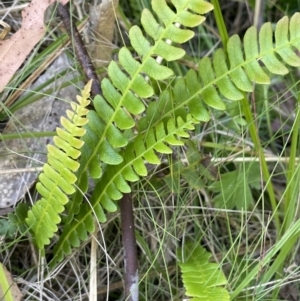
80	49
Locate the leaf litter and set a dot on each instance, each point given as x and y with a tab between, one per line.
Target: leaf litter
14	51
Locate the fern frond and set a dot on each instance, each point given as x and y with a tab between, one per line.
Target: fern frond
243	69
228	75
201	278
126	87
114	182
57	179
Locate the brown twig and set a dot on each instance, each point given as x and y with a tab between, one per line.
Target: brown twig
80	49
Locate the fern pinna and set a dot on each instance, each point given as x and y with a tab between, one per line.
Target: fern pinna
57	179
231	73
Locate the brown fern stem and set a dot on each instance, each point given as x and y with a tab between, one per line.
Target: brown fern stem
130	252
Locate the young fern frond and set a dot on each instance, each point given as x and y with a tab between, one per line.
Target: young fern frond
114	181
126	87
202	279
57	179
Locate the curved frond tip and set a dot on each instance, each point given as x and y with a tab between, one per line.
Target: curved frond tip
57	179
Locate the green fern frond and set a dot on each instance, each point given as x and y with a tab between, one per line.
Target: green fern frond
114	182
201	278
126	87
232	73
57	179
235	71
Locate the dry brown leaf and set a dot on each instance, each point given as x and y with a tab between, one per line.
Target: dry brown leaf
14	51
13	288
103	24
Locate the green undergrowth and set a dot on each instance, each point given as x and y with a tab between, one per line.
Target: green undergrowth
207	145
